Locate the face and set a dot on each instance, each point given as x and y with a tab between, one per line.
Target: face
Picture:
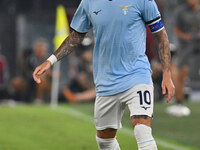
40	49
193	3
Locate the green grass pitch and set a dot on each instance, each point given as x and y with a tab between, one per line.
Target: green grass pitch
69	127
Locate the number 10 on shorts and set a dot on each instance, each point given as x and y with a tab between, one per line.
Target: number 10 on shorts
145	97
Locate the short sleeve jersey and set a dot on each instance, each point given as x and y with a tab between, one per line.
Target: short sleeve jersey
119	59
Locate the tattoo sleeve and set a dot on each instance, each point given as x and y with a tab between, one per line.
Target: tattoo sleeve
163	46
69	44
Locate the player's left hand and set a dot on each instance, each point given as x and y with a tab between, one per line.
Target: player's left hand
168	86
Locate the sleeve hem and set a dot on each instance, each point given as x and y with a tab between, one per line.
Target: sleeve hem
79	31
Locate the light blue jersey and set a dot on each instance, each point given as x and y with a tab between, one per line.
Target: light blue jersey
119	59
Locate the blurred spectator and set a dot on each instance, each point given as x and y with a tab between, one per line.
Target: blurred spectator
40	48
187	29
168	7
4	77
29	60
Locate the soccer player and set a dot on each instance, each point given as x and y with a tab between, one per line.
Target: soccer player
122	73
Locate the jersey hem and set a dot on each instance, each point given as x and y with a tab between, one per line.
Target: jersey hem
122	90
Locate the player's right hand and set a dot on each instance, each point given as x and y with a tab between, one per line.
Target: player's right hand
40	70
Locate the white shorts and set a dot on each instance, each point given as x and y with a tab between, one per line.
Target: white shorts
109	109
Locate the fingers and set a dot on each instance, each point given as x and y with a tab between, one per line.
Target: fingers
35	75
171	92
169	97
40	70
163	89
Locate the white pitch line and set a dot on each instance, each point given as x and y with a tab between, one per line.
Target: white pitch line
129	132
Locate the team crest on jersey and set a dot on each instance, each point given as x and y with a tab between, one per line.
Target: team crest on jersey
125	9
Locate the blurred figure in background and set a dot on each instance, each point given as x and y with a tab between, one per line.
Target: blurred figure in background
40	48
168	9
4	77
24	86
187	29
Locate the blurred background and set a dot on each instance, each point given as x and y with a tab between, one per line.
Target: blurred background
27	30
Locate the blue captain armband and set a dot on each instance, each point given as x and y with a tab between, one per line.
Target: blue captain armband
156	25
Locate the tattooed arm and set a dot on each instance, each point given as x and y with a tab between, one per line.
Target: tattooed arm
68	45
162	44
